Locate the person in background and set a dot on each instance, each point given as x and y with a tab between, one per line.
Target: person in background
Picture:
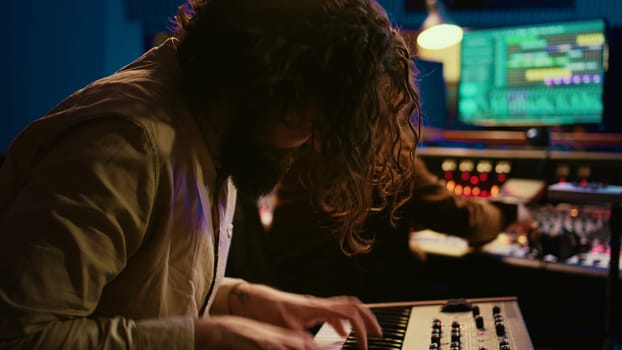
116	207
296	252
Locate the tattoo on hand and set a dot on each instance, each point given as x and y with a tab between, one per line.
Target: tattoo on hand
242	297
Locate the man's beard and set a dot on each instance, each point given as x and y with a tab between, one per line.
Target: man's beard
254	168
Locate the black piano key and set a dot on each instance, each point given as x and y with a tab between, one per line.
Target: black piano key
393	321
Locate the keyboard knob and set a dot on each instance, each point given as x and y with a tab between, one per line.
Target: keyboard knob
435	338
496	310
455	336
479	321
475	310
500	328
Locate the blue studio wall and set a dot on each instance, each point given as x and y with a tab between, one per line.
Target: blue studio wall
610	9
51	48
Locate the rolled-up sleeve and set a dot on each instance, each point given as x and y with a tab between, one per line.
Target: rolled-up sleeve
79	210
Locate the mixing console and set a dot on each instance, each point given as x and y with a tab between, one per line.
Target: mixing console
573	216
572	238
573	233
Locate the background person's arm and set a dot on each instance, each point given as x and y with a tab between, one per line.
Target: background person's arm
433	206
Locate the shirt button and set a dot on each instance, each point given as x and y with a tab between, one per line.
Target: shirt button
229	231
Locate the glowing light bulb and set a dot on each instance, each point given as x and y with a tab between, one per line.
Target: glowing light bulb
440	36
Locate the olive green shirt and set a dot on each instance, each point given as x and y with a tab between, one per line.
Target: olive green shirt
114	229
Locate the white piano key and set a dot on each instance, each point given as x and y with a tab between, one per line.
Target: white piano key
328	339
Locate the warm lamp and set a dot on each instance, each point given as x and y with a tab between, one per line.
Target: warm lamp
439	40
437	30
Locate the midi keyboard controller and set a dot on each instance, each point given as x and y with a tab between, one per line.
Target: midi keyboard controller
454	324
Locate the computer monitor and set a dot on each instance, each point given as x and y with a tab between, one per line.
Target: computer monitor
533	75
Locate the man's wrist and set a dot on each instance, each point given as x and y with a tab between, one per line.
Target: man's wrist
222	298
238	297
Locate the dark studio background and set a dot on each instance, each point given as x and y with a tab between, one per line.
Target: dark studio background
52	48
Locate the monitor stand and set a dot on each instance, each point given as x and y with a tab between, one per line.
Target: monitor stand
538	136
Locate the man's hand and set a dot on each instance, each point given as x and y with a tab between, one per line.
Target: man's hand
525	227
239	333
300	312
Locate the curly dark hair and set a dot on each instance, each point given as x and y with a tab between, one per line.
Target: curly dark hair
343	56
